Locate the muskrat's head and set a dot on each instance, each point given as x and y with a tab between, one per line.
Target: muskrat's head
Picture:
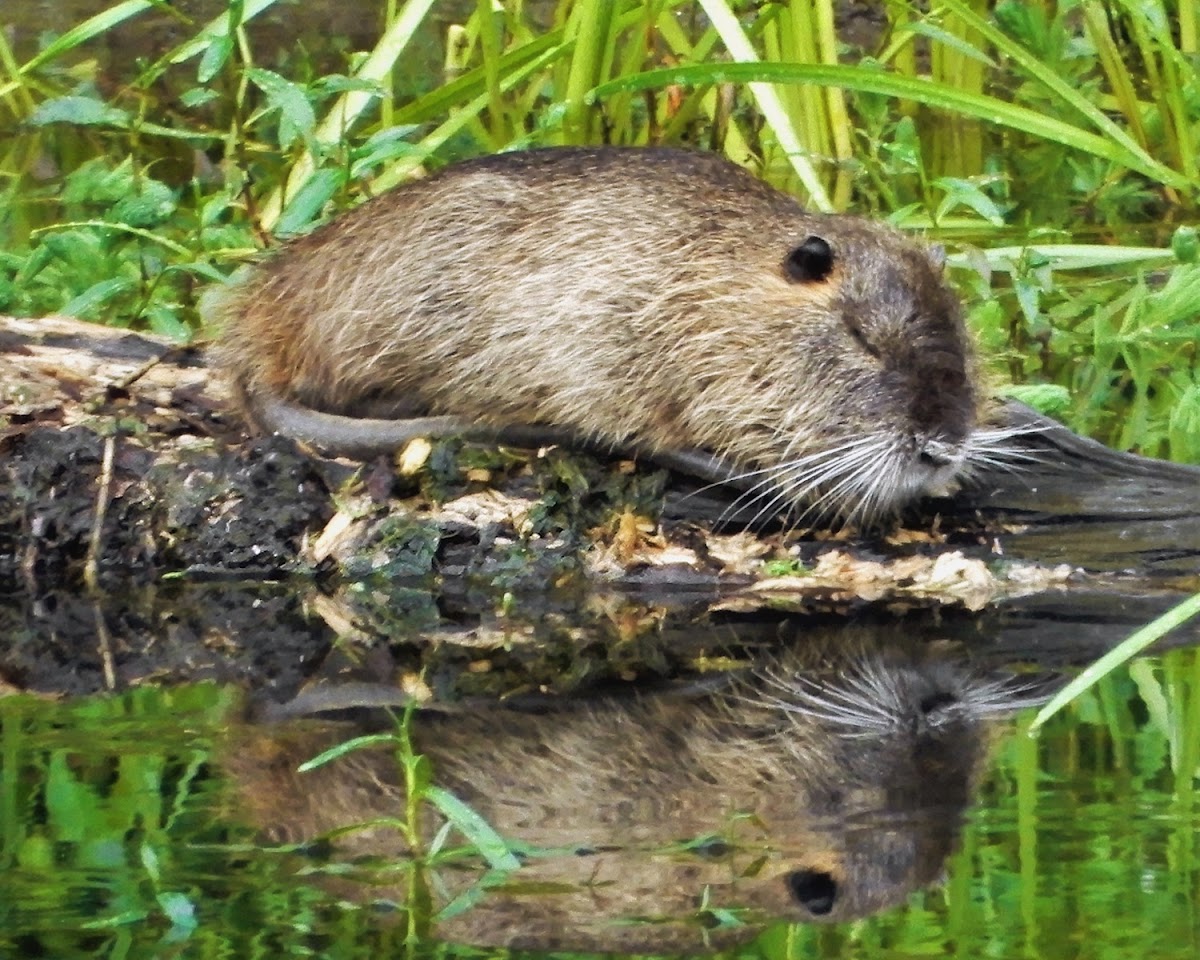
888	404
887	716
901	739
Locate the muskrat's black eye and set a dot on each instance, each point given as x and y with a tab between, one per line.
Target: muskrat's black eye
811	262
814	890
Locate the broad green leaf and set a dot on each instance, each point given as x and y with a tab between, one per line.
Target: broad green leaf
491	846
215	57
96	296
85	111
149	207
304	209
297	118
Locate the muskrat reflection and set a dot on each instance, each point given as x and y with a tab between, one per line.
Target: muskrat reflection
835	784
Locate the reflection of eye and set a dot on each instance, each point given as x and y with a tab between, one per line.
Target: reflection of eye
936	702
813	890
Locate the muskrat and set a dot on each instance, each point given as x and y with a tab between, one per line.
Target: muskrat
648	299
826	785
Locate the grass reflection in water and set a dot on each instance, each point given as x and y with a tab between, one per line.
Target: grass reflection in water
116	841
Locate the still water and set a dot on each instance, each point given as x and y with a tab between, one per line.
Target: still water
159	823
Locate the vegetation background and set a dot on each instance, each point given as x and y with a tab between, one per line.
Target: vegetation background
148	148
1052	146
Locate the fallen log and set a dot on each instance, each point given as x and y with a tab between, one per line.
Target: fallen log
121	470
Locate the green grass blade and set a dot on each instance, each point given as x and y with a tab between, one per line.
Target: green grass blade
1130	647
92	27
462	89
1073	256
769	101
459	119
948	40
1049	79
932	94
9	65
591	28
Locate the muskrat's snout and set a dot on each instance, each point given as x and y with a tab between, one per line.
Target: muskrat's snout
938	464
936	454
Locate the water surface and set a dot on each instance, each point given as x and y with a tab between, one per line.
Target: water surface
119	839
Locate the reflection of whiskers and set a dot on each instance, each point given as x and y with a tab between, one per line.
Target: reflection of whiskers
873	695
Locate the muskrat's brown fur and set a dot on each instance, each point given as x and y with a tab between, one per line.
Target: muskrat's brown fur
656	299
835	782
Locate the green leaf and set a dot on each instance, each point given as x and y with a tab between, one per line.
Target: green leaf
122	919
1185	244
151	206
84	111
297	118
215	57
97	182
165	321
74	245
198	97
347	746
337	83
420	774
150	862
964	193
96	296
303	210
180	910
1183	430
69	803
1047	398
382	147
491	846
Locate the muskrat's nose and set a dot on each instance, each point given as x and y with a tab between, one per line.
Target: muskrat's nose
939	453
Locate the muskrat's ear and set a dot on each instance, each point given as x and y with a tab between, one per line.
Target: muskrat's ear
811	262
937	256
